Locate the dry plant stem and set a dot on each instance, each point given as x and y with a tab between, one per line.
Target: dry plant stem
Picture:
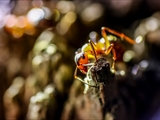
102	94
101	72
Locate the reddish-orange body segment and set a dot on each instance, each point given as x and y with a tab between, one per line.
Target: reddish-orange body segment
81	59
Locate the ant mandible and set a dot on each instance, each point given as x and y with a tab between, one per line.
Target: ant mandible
95	50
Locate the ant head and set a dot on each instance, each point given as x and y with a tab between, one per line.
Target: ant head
81	59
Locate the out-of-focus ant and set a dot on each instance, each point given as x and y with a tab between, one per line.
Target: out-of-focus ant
93	50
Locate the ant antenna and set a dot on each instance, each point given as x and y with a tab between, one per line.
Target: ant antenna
92	43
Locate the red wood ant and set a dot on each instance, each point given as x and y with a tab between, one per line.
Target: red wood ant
95	50
99	74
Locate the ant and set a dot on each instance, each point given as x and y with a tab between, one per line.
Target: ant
96	50
100	73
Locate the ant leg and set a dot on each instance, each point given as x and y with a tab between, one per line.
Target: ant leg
111	48
92	43
88	64
121	35
104	35
76	77
114	59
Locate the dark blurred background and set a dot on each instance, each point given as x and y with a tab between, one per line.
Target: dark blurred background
38	40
